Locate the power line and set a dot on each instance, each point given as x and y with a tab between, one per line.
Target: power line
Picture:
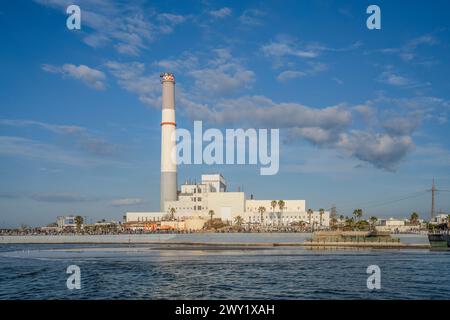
379	202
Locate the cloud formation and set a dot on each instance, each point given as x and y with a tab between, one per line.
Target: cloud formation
126	202
60	197
79	137
89	76
286	46
252	17
129	27
220	13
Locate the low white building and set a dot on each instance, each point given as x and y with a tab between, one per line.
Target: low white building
198	199
275	217
393	225
440	218
66	221
145	216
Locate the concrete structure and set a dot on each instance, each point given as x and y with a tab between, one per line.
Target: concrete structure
226	205
289	205
396	226
215	182
210	194
196	200
440	218
66	222
145	216
168	185
276	217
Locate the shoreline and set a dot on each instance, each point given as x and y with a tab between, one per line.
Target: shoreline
205	241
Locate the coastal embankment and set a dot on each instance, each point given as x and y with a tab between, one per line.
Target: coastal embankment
220	240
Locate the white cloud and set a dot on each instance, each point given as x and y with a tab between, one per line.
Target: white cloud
169	21
279	49
79	137
220	13
252	17
394	79
285	46
289	75
408	51
59	197
381	150
126	202
132	76
129	26
89	76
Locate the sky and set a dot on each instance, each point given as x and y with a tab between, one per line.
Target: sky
363	114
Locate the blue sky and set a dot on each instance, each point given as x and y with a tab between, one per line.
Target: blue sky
363	114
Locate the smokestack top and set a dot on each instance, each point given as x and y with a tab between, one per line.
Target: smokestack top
167	76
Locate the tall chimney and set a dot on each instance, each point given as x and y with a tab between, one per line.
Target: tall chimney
168	166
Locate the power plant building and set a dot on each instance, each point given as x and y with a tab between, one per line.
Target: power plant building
199	200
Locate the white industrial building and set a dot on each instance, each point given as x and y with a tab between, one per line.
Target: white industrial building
198	199
195	200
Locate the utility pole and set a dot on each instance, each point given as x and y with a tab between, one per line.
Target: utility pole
433	192
333	212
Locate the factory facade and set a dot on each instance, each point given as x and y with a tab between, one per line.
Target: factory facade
199	200
210	197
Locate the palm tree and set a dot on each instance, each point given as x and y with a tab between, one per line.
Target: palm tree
349	222
414	218
261	210
238	221
333	222
358	213
310	212
281	205
211	214
273	204
373	220
321	212
78	222
172	213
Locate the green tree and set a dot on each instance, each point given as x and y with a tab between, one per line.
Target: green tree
414	219
349	222
281	205
172	213
321	212
358	214
310	212
211	214
273	204
238	221
333	223
79	221
373	220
